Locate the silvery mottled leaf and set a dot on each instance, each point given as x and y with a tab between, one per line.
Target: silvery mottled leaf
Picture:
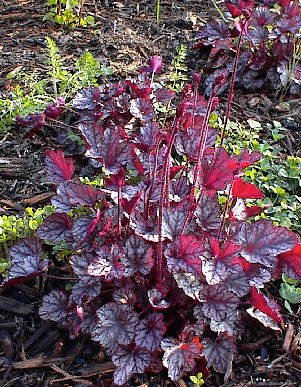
129	361
220	353
107	262
54	306
142	108
208	214
189	282
58	168
149	332
218	302
85	290
26	261
231	324
86	98
178	357
173	221
55	228
266	320
138	256
116	326
261	241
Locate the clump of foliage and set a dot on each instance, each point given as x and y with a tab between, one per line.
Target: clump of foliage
33	93
67	13
269	38
290	291
164	272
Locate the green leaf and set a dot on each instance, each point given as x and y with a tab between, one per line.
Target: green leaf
90	20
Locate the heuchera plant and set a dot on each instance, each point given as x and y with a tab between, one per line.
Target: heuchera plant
159	264
270	45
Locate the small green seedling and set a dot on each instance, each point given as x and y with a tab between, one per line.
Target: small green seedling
197	380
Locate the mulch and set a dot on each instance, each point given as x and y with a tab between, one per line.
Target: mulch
39	353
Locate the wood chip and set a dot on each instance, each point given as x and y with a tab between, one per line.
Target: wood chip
10	305
38	199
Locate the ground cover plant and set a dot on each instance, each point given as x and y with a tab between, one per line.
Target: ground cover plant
268	36
162	274
33	92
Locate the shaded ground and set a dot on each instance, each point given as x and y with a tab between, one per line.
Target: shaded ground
36	353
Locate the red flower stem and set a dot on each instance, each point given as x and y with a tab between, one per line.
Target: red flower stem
204	133
60	278
162	197
154	173
221	227
118	210
231	92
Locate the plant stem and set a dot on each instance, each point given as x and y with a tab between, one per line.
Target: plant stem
231	92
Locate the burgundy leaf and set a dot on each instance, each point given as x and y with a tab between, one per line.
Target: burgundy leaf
218	172
241	189
55	109
54	306
154	65
70	195
129	360
218	263
178	357
149	332
107	146
257	274
26	261
55	228
86	98
266	305
125	295
185	254
57	167
146	228
261	242
107	263
290	262
220	353
213	31
164	95
208	213
156	299
138	256
85	290
246	158
33	123
218	302
150	133
116	326
142	108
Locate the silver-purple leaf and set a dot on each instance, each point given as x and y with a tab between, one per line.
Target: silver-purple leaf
262	317
237	283
80	264
231	324
142	108
208	214
218	302
220	352
178	357
117	325
185	254
54	306
261	241
26	261
138	256
55	228
179	189
149	133
149	332
129	360
86	98
107	263
190	282
173	221
85	290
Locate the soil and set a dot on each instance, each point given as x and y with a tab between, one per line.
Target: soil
39	353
